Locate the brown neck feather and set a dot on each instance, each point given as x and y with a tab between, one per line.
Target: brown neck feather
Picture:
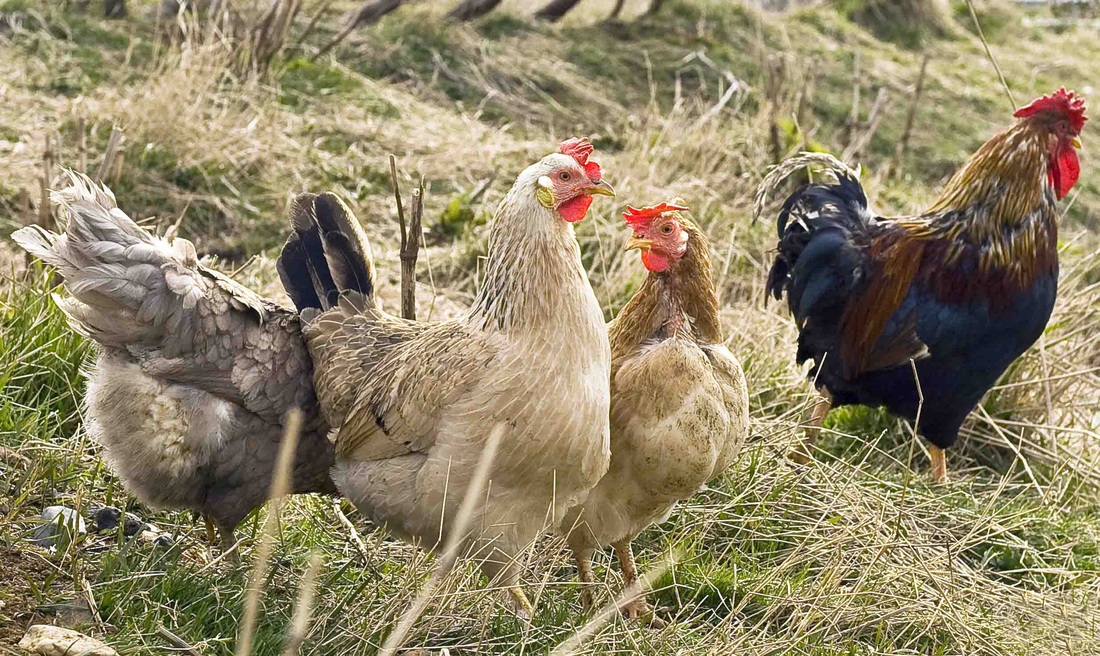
1002	203
1007	175
680	300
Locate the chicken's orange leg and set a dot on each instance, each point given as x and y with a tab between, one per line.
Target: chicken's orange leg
939	463
820	410
523	604
638	607
583	558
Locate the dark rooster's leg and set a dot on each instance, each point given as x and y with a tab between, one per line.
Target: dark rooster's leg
637	608
939	463
583	558
820	410
210	535
229	541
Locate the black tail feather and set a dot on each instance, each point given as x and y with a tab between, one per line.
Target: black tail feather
326	255
817	262
345	245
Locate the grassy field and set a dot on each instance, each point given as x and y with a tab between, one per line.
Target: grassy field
856	553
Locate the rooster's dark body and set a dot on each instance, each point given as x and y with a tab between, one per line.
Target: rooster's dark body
949	298
872	294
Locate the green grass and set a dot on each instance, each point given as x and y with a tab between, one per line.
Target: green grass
857	553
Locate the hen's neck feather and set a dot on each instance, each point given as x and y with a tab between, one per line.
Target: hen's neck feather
680	300
534	278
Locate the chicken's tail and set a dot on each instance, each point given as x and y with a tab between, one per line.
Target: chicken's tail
327	255
819	263
129	288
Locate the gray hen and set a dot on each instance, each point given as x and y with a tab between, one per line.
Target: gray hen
196	373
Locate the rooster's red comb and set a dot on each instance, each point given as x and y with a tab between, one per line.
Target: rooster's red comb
579	148
640	218
1062	101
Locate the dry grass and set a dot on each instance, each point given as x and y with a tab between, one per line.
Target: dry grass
856	553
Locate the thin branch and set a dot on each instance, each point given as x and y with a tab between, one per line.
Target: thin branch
372	12
468	10
313	22
410	249
113	143
177	642
45	210
903	143
989	53
353	533
555	10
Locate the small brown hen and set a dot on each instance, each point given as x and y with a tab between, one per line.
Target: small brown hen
679	402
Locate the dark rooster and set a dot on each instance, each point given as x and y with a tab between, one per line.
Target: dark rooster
948	298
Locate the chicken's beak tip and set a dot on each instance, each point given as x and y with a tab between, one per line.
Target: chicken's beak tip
638	243
602	188
1076	142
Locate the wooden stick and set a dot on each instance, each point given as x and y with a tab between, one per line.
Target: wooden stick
81	145
113	142
313	22
853	117
177	642
45	212
555	10
903	143
410	249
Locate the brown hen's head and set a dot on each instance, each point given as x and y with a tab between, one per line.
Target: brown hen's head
569	179
1062	116
661	233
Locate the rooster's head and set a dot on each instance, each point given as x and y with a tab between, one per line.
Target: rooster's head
1061	115
661	233
569	179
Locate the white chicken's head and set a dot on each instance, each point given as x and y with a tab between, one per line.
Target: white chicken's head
566	181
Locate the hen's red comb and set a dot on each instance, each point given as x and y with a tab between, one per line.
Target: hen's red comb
640	218
1065	102
579	148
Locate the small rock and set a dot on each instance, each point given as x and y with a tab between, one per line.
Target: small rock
157	537
46	640
106	518
58	521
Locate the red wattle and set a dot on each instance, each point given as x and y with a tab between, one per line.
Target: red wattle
575	209
1065	170
654	261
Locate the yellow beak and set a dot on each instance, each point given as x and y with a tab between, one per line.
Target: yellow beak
638	243
1076	143
601	188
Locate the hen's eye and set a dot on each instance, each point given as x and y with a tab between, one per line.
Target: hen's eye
666	229
564	176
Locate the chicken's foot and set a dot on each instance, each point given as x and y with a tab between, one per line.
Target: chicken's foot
820	410
524	608
638	607
939	463
583	557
